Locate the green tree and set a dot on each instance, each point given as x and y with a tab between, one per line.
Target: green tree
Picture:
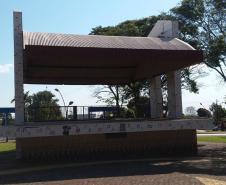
137	96
119	95
27	102
44	106
203	25
203	112
142	28
139	107
27	99
111	95
41	106
218	113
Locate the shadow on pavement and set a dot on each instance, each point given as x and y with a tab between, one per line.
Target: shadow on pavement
211	160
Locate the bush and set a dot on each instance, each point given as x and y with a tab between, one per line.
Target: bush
203	112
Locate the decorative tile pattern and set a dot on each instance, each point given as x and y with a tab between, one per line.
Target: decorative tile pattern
73	128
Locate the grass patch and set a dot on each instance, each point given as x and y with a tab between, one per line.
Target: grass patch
213	139
7	147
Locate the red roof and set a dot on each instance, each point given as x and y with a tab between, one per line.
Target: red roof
74	59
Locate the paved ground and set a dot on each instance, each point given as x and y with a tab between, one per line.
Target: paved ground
211	134
208	168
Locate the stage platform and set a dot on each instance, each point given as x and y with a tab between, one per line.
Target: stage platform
102	139
62	128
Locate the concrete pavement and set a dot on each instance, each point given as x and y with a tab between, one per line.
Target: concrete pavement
211	134
209	167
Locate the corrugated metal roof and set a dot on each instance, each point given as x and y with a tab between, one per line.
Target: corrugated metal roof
51	58
100	41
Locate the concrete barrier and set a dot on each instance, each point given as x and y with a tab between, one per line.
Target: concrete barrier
108	146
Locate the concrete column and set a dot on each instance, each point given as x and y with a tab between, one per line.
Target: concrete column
18	68
165	29
156	97
174	94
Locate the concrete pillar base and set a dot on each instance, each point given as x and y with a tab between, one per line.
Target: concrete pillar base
108	146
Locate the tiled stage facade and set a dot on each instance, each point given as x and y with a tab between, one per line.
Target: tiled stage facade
106	140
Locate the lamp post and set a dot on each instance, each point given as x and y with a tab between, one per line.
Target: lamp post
70	103
57	90
202	105
66	107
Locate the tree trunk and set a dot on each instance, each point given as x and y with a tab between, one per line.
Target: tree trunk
117	101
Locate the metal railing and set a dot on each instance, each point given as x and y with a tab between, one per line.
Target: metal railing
73	113
67	113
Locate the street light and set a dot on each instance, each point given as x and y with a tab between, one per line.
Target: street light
202	106
70	103
66	107
209	114
57	90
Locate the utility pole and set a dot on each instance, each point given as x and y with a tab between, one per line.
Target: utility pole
217	113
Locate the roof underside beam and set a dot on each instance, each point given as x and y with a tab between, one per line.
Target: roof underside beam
68	65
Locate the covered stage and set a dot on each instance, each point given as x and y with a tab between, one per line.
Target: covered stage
50	58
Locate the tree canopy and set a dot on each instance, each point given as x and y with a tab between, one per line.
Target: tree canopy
44	106
134	93
203	25
41	106
218	113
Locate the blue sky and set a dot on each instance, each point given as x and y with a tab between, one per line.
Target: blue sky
80	16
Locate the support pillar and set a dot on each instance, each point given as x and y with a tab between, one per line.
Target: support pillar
174	94
18	68
164	29
156	97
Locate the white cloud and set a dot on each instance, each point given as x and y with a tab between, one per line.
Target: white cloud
5	68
